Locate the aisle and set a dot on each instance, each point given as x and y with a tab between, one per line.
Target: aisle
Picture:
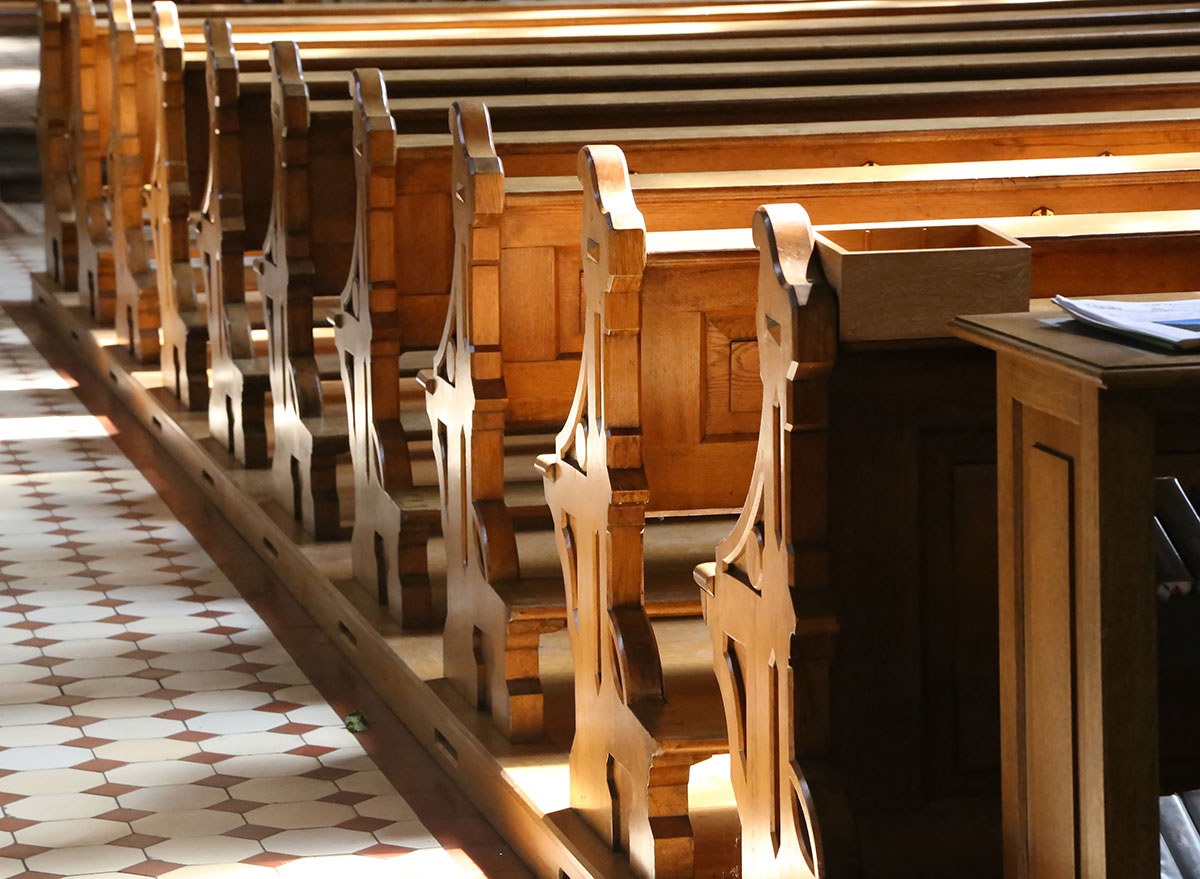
150	723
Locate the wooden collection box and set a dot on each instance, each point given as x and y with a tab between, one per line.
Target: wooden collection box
907	281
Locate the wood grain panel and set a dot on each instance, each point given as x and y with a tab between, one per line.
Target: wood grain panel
1049	605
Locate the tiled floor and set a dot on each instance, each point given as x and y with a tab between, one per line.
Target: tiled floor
150	723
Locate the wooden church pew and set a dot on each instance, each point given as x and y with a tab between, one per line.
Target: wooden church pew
99	277
241	424
182	364
383	551
296	468
249	98
877	743
531	238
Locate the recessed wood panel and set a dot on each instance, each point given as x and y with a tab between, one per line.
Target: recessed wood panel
529	329
1048	591
732	387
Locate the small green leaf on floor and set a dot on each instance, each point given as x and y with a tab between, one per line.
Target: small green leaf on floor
356	722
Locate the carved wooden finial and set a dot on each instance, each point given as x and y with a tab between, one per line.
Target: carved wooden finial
478	174
168	37
289	91
374	127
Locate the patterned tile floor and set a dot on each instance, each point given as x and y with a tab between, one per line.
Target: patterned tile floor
150	722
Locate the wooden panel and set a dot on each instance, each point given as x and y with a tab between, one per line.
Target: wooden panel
1049	603
529	325
732	388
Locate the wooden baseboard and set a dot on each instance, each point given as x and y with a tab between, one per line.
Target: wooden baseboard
555	845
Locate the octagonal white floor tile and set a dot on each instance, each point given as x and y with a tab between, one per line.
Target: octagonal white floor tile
102	667
121	564
198	681
258	637
44	569
172	798
197	660
298	816
222	700
11	541
288	673
354	759
148	593
12	636
139	751
222	871
70	613
93	649
188	823
133	706
370	782
162	608
252	743
110	688
52	807
116	537
204	850
305	695
74	831
62	598
72	631
320	841
23	715
36	734
31	694
170	625
50	781
10	867
155	773
134	728
19	522
51	584
33	553
331	736
388	808
410	834
235	605
267	765
183	641
272	654
318	715
85	859
11	653
43	757
233	722
282	790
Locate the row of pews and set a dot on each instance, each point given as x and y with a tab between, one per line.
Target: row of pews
630	320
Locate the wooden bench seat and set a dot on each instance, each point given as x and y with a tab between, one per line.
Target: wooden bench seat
291	229
641	721
815	143
100	272
554	379
818	387
247	99
668	256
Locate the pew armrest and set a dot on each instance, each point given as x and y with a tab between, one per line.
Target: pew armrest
705	575
427	380
336	319
547	466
